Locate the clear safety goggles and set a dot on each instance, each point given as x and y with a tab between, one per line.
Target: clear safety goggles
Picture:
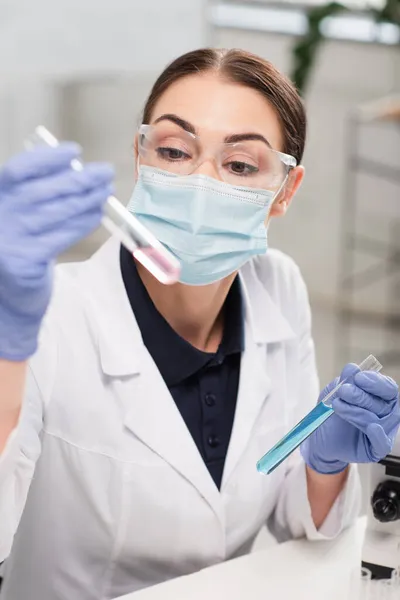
248	163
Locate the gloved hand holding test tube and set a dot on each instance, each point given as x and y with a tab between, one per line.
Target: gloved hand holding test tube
123	225
314	419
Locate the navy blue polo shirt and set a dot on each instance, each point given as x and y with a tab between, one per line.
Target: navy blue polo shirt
203	385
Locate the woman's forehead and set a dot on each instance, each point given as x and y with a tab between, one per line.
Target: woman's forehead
213	104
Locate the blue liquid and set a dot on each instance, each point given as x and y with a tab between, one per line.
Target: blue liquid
294	438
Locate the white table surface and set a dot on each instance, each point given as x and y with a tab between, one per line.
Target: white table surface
298	569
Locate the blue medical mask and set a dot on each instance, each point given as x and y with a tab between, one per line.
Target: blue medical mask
213	228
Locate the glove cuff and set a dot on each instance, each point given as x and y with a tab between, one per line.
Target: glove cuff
328	468
22	308
18	338
324	467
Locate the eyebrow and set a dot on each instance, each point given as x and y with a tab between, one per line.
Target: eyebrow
230	139
178	121
244	137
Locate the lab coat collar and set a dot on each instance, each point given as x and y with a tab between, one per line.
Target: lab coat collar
120	342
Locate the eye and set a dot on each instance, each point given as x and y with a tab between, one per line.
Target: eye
171	154
241	168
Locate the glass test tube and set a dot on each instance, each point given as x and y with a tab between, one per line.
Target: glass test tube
368	364
123	225
318	415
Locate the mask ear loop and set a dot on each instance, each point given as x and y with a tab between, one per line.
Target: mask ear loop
284	182
281	187
138	165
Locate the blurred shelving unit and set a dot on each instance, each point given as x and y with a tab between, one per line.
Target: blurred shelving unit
369	288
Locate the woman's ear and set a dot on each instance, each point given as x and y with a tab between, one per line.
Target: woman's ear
282	202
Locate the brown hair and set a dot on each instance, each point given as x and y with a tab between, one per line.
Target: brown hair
245	69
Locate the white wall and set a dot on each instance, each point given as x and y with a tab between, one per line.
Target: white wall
44	42
84	68
63	37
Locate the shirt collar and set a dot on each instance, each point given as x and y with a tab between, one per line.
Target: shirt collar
175	358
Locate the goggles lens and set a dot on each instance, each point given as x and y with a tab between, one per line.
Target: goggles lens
249	163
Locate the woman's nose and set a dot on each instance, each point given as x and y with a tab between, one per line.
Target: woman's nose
208	167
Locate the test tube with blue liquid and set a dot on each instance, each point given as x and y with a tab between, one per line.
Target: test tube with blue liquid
300	432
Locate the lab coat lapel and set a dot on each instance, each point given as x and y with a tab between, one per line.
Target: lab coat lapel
265	326
254	389
149	410
153	417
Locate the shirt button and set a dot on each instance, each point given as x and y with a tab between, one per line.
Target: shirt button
213	441
210	399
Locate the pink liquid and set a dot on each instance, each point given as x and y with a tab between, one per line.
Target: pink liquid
158	265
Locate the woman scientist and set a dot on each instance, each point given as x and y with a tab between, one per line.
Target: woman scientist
146	407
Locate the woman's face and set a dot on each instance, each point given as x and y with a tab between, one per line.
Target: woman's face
215	109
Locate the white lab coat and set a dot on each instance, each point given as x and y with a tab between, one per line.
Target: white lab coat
113	492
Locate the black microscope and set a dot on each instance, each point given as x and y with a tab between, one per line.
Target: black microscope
381	549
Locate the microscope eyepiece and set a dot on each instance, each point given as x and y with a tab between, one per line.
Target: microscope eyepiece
386	501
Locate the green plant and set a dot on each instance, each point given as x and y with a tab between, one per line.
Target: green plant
305	50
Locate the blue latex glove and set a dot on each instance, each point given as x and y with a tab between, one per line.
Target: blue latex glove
45	207
363	427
